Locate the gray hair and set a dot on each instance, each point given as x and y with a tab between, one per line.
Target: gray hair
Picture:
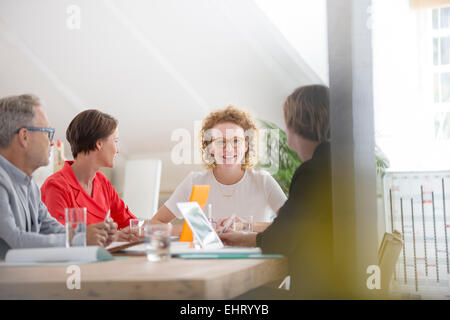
15	112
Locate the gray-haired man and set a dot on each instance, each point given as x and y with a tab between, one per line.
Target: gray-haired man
25	143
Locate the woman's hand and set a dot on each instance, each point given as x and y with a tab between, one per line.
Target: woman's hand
97	234
238	224
225	224
238	239
111	228
128	235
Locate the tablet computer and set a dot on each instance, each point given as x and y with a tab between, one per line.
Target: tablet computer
200	226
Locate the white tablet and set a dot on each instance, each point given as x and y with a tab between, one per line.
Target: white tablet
200	226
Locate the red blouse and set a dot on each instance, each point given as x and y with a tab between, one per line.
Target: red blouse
62	190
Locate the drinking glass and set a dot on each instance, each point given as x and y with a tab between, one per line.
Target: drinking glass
157	238
75	227
136	225
243	224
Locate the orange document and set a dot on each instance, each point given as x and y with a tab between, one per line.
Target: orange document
200	195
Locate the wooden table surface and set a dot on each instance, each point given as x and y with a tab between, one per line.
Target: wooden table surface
137	278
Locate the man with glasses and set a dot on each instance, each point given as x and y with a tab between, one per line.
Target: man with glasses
50	131
25	145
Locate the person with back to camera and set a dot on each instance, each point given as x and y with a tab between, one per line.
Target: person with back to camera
303	230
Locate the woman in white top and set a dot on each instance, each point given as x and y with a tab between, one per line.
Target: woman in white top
228	152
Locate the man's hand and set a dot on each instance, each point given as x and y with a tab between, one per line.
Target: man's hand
97	234
238	239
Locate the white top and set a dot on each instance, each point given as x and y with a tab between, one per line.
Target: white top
257	194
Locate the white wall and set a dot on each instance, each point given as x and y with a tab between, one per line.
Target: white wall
157	66
304	24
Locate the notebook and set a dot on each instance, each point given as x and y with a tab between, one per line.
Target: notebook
55	256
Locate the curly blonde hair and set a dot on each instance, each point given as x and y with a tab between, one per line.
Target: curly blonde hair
238	117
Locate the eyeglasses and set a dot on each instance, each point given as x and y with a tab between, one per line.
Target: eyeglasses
50	131
222	142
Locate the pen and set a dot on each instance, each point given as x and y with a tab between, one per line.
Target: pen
228	223
108	215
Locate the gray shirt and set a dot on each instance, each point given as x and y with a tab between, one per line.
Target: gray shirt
24	219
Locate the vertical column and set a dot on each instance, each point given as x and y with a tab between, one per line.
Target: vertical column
405	276
352	141
424	232
414	244
435	239
445	225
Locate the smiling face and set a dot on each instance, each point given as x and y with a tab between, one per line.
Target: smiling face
108	149
228	145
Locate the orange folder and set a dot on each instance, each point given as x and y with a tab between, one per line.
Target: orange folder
200	195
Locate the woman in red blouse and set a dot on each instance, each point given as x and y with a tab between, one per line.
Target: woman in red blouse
93	138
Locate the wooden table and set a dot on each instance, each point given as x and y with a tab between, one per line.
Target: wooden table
136	278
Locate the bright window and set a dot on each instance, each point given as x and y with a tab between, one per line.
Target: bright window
440	44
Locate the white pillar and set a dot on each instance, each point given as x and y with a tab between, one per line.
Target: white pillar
352	140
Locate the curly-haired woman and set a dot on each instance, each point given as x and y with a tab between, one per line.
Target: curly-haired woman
228	152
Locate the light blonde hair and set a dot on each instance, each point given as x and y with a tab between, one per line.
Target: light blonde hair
233	115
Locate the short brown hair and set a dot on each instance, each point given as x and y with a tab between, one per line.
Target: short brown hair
87	128
306	111
236	116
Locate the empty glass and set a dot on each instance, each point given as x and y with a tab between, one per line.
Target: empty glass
137	226
75	227
243	224
157	239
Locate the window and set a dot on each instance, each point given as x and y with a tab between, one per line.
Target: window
412	109
440	45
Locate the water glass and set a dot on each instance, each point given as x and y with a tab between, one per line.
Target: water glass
243	224
157	239
136	225
75	227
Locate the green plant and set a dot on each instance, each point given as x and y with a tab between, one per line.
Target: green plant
288	160
382	162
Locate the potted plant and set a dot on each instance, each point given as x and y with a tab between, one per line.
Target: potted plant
288	160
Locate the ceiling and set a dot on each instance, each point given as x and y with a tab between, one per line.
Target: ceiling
154	65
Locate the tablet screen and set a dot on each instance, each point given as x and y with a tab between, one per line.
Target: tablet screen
201	228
